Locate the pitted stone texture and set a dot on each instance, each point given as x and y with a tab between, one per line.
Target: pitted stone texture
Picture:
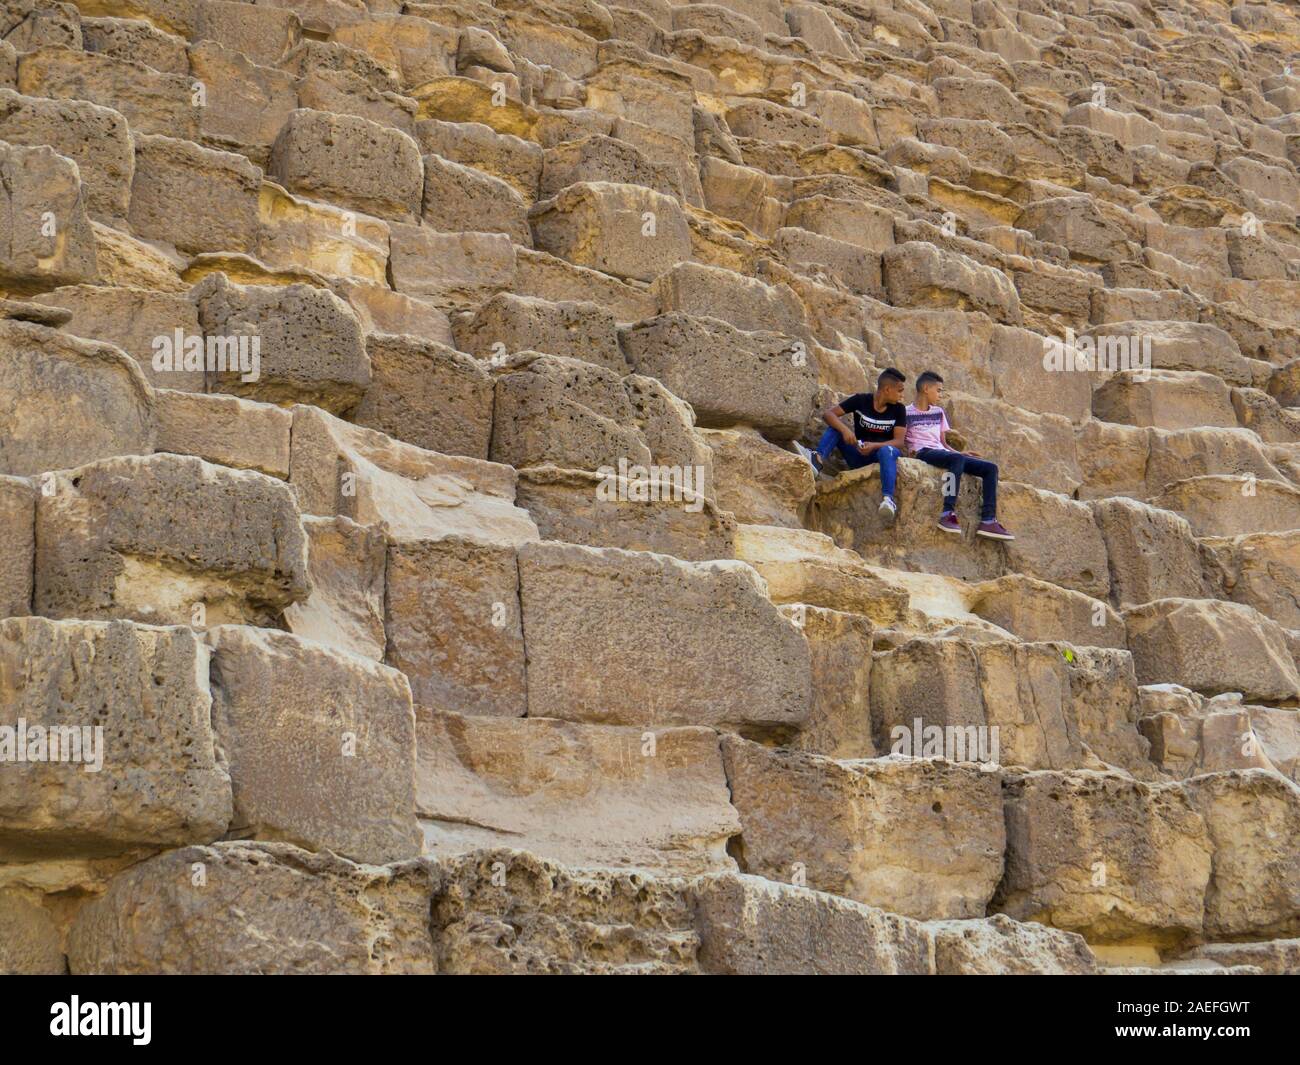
244	908
159	781
168	539
660	642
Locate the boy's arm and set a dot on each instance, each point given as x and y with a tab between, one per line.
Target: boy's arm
834	417
943	439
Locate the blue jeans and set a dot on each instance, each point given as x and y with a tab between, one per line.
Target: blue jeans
887	456
957	464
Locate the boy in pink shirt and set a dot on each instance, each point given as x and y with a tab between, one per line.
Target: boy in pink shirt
927	428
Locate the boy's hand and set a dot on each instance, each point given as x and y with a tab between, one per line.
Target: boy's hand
866	449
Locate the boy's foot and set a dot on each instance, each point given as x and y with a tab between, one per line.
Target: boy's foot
948	523
814	459
993	530
888	510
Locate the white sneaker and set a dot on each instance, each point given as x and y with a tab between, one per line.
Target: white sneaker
888	510
808	454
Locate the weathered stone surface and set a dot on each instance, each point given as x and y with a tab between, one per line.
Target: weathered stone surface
40	369
752	926
450	269
346	564
193	198
309	343
839	644
1261	570
129	709
1251	818
460	198
1053	707
224	430
338	468
320	745
29	941
1036	610
1211	647
631	512
168	539
352	161
1152	553
666	651
763	380
624	230
95	138
427	394
508	324
437	594
18	528
1114	859
1001	946
758	482
920	837
579	794
260	908
922	275
508	911
45	234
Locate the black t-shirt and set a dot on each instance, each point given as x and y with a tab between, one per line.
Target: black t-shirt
870	425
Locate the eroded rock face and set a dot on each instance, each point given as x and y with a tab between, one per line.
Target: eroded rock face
923	837
113	722
168	539
661	652
1111	858
242	907
582	795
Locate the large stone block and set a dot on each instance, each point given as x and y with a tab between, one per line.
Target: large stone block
224	430
763	380
339	468
678	643
745	302
918	274
920	837
1166	399
1152	553
345	610
624	230
452	618
1037	705
95	138
1261	570
168	539
350	161
508	324
45	236
450	269
309	343
839	644
460	198
257	908
1212	647
1109	857
41	371
581	794
320	745
1036	610
1075	223
106	728
758	482
1253	821
18	530
427	394
195	199
632	512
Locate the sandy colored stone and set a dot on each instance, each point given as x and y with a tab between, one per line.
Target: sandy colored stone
1036	610
259	908
758	482
159	781
662	642
579	794
1000	946
224	430
1113	859
345	610
168	539
923	838
320	745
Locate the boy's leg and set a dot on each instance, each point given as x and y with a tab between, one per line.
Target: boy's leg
887	456
827	443
954	463
988	472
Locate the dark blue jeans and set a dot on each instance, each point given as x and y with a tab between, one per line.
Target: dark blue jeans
887	456
956	463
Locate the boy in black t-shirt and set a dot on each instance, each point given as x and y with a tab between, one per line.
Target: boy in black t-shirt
876	435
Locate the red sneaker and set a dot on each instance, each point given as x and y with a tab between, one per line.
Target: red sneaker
948	523
993	530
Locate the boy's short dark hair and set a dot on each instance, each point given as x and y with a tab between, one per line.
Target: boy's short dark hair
890	374
926	378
